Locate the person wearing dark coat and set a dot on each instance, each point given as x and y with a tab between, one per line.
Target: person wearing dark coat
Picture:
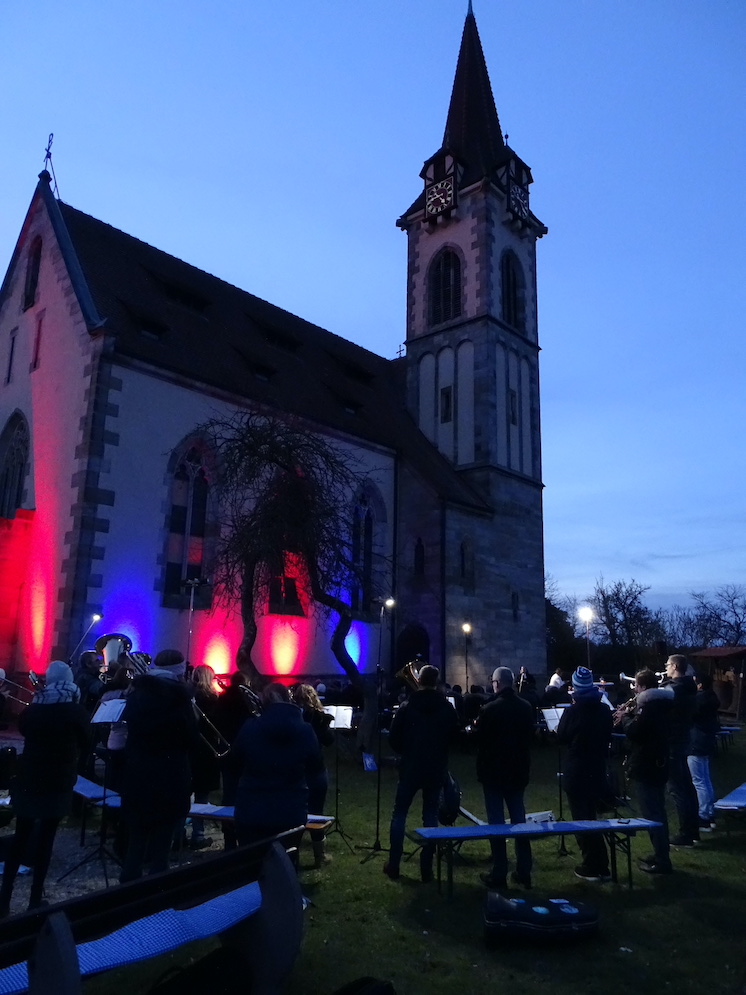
647	726
306	697
161	734
205	763
585	729
55	727
422	731
235	706
680	785
702	746
278	755
505	732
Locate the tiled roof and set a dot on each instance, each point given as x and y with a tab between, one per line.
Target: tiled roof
170	315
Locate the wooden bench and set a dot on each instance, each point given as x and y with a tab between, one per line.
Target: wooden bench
617	832
248	897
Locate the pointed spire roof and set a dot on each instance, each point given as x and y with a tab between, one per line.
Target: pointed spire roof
473	132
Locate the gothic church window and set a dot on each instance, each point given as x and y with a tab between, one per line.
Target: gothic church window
13	468
32	274
11	355
444	287
362	557
187	530
513	291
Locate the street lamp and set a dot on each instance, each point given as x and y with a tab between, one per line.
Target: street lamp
94	619
585	614
466	629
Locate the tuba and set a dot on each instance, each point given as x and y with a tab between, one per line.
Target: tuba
109	648
409	676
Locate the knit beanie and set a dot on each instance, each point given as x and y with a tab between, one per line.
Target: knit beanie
582	681
58	672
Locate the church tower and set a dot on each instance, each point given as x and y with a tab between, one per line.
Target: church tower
472	364
472	340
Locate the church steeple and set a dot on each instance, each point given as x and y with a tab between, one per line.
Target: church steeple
472	133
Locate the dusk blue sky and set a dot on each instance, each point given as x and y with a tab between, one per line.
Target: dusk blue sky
275	145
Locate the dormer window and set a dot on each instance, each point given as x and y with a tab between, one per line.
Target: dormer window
444	288
33	265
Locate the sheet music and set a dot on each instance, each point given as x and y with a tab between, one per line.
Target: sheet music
552	717
109	711
341	716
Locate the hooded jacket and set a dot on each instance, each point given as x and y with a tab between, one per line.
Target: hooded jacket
277	754
648	732
585	728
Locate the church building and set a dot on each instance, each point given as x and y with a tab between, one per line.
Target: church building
113	353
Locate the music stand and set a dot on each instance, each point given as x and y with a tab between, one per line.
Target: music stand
377	847
341	719
106	713
552	718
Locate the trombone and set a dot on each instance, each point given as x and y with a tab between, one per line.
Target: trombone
210	735
21	687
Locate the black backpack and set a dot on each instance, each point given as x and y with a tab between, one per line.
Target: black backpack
449	803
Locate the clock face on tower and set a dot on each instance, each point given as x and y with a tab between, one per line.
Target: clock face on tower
439	196
519	200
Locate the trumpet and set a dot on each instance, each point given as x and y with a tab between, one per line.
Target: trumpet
409	676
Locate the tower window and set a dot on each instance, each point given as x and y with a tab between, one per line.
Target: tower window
32	274
513	291
446	405
419	558
444	288
36	358
513	407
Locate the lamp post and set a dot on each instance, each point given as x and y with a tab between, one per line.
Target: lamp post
192	584
585	614
466	629
94	619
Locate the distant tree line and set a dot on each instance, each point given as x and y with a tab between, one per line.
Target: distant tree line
627	633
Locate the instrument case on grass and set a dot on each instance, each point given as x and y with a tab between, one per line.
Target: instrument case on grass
542	919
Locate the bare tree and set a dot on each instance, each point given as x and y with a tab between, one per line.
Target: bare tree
284	496
621	617
721	618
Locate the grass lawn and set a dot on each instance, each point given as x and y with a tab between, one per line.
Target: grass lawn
683	934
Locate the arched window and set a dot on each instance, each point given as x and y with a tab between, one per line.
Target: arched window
32	273
513	291
444	287
362	557
187	530
14	466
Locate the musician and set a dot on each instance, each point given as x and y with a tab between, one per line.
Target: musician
585	728
161	734
505	732
680	785
313	712
88	680
205	766
278	755
702	746
55	730
646	721
236	705
422	730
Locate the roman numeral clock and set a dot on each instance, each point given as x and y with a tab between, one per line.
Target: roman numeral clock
439	197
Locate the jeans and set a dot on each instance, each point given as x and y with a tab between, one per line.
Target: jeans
405	792
684	796
652	801
496	800
699	768
591	846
